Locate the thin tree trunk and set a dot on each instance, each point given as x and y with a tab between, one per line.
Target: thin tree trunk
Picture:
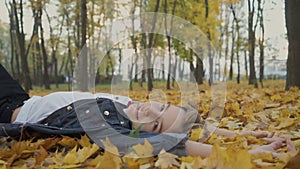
134	43
261	43
21	43
246	63
45	55
54	45
174	70
251	41
82	58
226	45
12	39
232	51
210	57
169	39
237	27
150	45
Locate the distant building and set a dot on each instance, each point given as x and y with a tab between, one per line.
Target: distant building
275	69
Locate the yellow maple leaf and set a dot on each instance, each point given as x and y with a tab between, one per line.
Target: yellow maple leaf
267	157
143	151
190	162
166	160
196	134
84	141
94	161
297	143
109	147
228	159
71	157
286	122
276	97
84	153
68	142
131	163
140	155
109	160
197	163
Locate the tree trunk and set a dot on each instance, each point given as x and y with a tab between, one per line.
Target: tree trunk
226	45
169	40
198	72
261	42
21	42
12	40
150	45
82	58
210	56
292	15
180	69
36	52
251	41
237	27
54	45
45	55
174	70
134	44
246	63
232	51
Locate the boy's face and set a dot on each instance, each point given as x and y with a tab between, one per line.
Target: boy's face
156	117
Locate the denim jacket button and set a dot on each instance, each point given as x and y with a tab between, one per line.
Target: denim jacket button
122	122
106	113
69	108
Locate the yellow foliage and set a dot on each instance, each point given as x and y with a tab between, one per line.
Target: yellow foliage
143	151
228	159
166	160
268	109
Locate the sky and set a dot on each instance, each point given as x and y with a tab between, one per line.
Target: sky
274	24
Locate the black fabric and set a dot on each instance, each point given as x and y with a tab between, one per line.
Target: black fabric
12	95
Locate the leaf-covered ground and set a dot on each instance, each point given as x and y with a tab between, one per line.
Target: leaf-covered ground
270	109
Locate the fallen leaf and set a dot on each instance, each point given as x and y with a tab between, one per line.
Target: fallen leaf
166	160
84	153
71	157
294	163
143	151
228	159
109	147
287	122
41	155
68	142
84	141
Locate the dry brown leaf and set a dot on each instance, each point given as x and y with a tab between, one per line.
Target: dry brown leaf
294	163
41	155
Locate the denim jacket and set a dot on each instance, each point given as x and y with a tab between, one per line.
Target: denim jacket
99	119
